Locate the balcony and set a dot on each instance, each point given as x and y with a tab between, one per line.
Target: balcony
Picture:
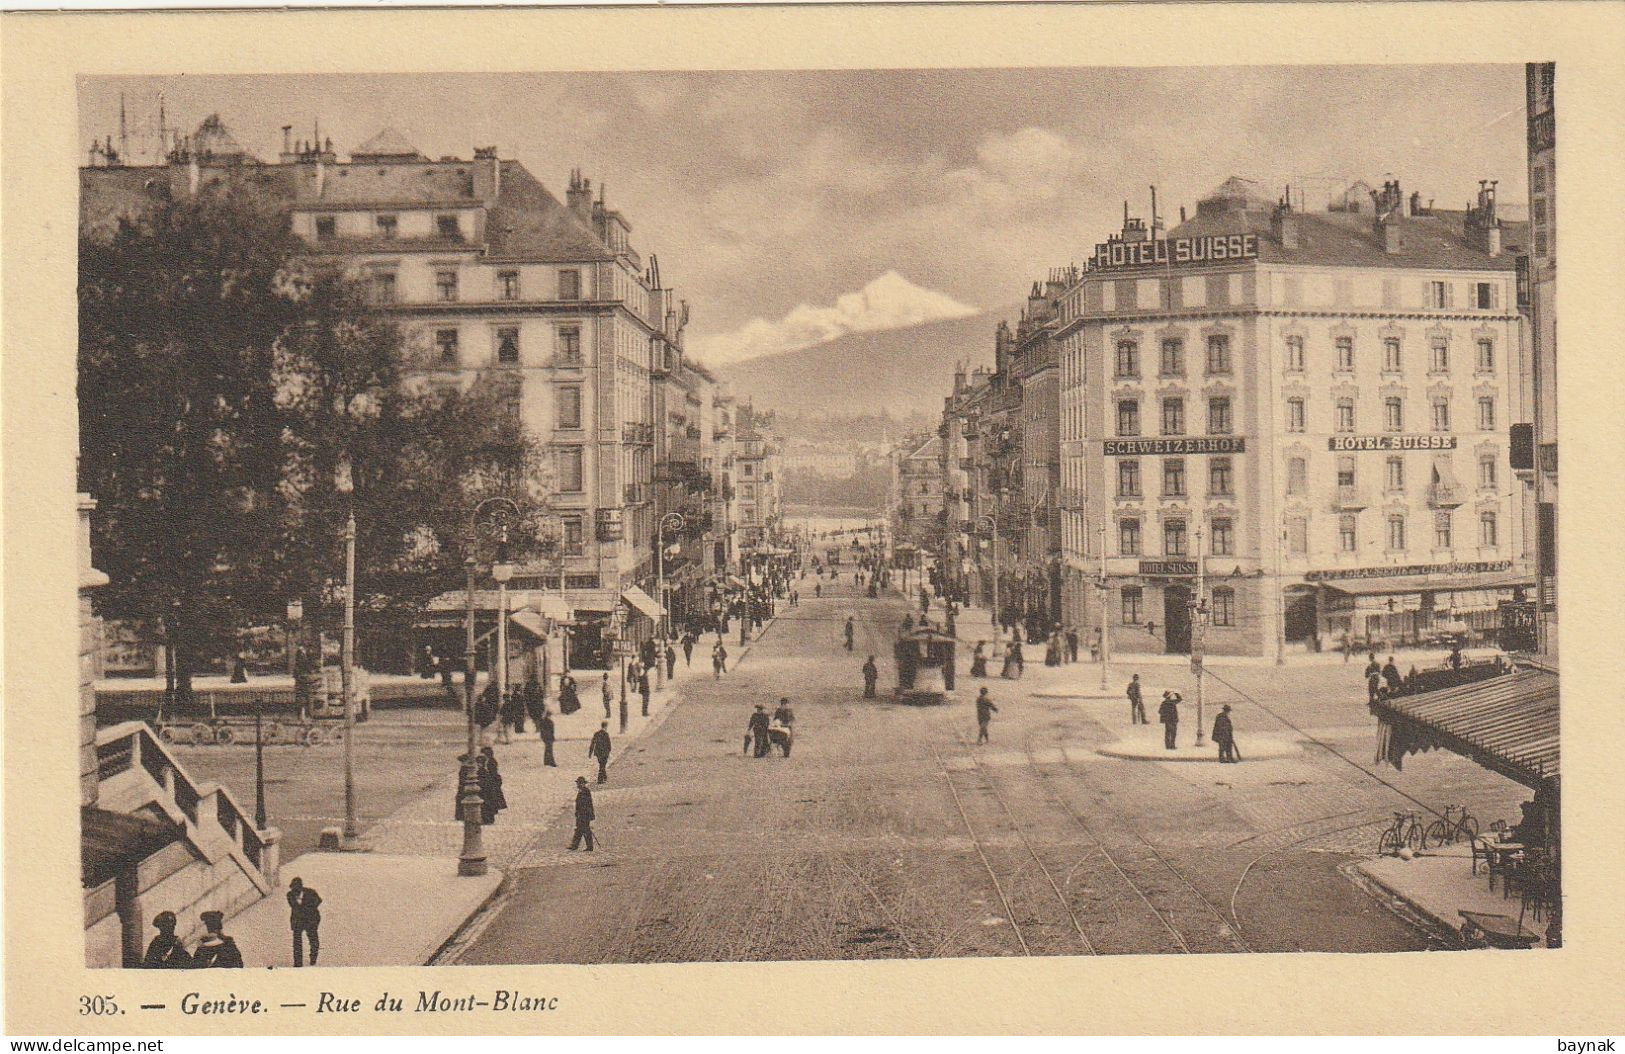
1349	499
1444	495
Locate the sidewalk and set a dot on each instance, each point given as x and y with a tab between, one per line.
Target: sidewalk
1440	884
397	900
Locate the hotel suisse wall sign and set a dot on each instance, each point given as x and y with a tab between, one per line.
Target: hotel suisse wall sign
1349	444
1174	252
1178	445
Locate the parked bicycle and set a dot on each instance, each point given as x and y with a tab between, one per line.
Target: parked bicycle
1405	832
1458	825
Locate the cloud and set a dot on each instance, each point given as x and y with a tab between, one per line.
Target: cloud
888	302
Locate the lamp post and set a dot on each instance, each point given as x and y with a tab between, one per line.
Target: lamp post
502	572
471	862
259	768
990	525
296	613
1198	634
346	486
1105	595
673	522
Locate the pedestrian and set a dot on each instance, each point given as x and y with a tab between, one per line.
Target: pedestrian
609	697
1224	734
1347	645
1168	714
1373	680
535	701
984	713
544	728
1016	657
643	690
569	701
1136	703
216	950
871	674
1072	644
488	707
239	670
1008	670
818	589
1390	673
688	650
783	729
584	815
504	715
493	800
599	748
719	660
305	919
757	731
671	661
1455	659
1052	650
1094	645
166	952
978	659
850	631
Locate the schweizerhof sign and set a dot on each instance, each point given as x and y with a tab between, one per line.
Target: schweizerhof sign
1174	252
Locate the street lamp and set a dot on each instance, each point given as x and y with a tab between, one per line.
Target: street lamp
471	862
989	525
1105	598
1199	633
671	522
502	572
344	483
296	614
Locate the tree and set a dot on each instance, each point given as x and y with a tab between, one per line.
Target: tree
179	314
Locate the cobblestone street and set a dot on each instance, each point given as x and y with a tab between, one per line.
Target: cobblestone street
887	835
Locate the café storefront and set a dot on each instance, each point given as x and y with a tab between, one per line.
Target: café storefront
1410	605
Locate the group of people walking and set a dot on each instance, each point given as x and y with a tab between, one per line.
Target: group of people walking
217	949
763	733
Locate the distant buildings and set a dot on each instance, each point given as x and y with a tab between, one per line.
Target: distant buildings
917	514
1275	428
1537	462
501	281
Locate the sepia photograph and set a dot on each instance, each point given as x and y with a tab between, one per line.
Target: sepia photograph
803	515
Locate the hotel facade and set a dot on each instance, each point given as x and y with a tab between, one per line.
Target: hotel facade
1281	430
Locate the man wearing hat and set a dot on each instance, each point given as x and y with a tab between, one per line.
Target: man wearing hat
1168	714
305	919
166	952
1224	734
215	950
584	815
599	748
758	730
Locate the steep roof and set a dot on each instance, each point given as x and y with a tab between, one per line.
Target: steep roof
527	222
388	145
1437	239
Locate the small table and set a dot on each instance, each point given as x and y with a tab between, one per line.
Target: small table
1497	856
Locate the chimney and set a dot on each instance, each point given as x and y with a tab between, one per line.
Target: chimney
1182	214
487	173
288	156
1388	229
579	196
1284	223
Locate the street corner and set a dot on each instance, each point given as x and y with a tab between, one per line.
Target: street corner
1149	747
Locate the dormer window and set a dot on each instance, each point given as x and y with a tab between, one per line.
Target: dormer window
449	227
387	223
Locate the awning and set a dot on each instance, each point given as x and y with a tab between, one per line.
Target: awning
530	622
1508	724
1422	584
642	601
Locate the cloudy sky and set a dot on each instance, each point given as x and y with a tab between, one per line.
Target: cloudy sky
790	207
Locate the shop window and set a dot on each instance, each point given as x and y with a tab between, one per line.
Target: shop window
1128	537
1348	539
508	344
1218	416
1294	354
1345	354
570	406
1173	358
1294	415
1173	538
1393	358
1487	530
1128	479
1133	605
1396	533
1218	354
1128	418
445	342
1224	538
1223	606
1219	477
1173	417
1128	359
1173	477
1393	409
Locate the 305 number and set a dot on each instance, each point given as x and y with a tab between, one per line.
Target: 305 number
97	1006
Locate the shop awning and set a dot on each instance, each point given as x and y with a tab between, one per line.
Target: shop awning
642	602
1507	724
530	622
1423	584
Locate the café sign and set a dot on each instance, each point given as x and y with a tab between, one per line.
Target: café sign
1181	445
1174	252
1409	570
1348	444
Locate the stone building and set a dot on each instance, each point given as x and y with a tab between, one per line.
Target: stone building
1307	410
1537	462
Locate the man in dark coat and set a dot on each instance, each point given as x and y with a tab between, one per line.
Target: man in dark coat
688	650
1072	644
534	701
984	713
871	674
1168	714
599	748
584	815
544	728
783	727
305	919
719	660
1373	680
216	950
671	662
494	801
166	952
849	633
1224	734
643	689
757	730
1390	673
1136	703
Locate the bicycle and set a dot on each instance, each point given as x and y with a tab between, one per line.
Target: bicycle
1406	831
1447	831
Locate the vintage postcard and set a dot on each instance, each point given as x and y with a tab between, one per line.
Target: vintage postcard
1008	496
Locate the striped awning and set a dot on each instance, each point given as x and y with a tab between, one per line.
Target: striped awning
1508	724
